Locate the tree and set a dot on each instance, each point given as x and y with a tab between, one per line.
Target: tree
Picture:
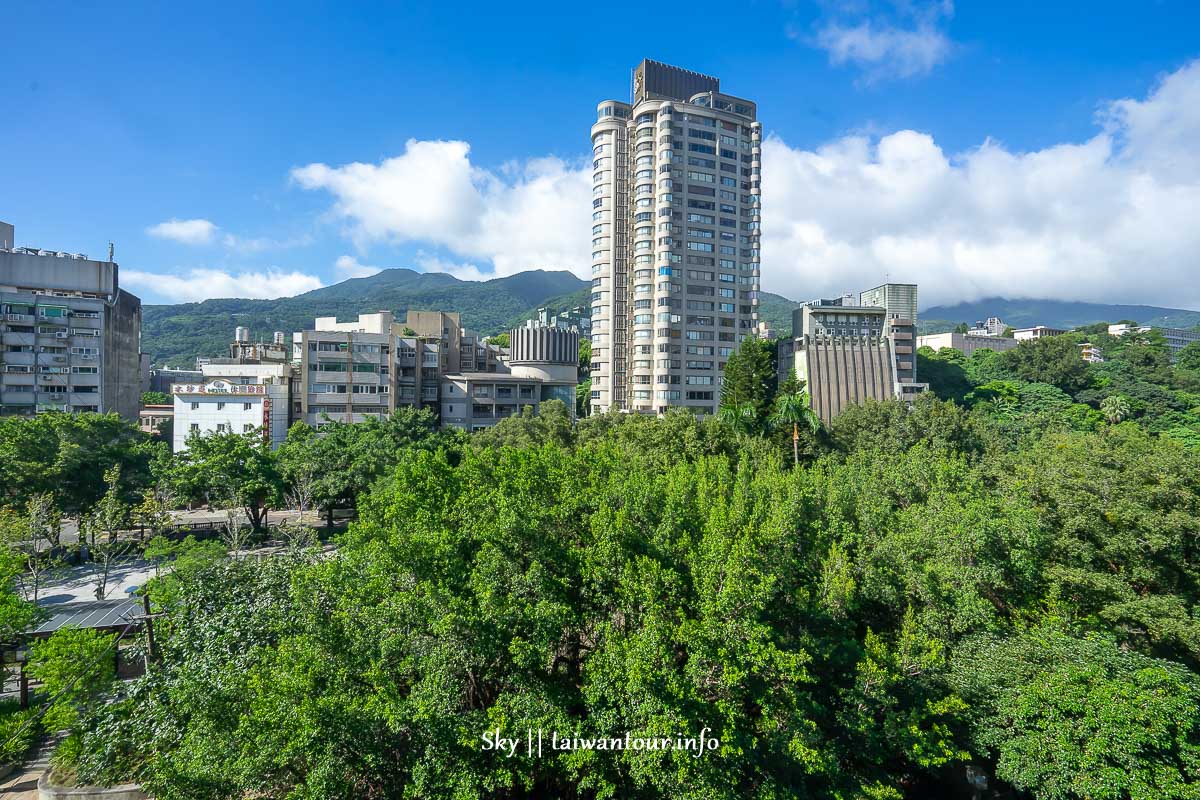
500	340
749	377
945	371
67	455
101	528
156	399
1189	357
1115	408
76	667
1050	359
583	398
742	418
794	410
230	470
1071	718
961	327
32	536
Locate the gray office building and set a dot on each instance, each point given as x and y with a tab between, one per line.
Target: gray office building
71	336
899	299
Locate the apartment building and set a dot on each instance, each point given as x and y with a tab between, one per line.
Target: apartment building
70	336
233	398
543	364
675	240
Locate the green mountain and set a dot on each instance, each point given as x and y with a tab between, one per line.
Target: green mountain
175	334
1053	313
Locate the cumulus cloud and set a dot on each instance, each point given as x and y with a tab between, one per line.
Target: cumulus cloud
906	41
1112	218
1108	219
184	231
348	267
202	284
523	216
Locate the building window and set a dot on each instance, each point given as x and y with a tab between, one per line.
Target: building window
195	407
246	406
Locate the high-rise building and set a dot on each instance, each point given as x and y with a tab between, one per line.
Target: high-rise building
900	299
71	336
675	240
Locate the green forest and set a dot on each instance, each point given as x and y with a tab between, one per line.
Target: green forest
999	581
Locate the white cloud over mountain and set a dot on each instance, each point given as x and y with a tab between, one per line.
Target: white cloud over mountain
1113	218
195	285
522	216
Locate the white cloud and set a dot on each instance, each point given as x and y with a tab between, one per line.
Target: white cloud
903	42
184	231
348	267
202	284
524	216
261	244
1113	218
886	50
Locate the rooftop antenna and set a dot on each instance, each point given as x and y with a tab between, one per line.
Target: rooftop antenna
110	252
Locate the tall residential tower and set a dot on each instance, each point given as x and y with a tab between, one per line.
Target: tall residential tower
675	240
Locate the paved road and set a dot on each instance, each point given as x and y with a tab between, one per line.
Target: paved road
70	528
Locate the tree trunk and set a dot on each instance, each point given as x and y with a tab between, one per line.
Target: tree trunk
796	444
329	517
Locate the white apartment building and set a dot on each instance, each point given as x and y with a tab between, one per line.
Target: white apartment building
675	240
70	337
233	398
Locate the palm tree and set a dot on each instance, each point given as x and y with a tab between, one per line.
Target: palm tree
741	417
1115	408
794	409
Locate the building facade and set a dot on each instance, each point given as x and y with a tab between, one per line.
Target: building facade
847	352
1176	338
899	299
675	240
1036	332
71	336
966	343
233	398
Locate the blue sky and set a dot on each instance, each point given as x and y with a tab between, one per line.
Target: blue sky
121	119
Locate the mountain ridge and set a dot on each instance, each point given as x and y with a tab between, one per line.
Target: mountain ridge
175	334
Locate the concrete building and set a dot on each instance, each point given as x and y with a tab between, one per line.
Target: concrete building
993	326
576	319
900	299
71	336
351	371
233	398
1036	332
156	419
966	343
543	365
161	380
847	352
675	240
1091	353
1176	338
243	350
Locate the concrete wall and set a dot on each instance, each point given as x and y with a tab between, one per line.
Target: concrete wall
7	236
126	791
845	371
60	274
966	344
121	368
